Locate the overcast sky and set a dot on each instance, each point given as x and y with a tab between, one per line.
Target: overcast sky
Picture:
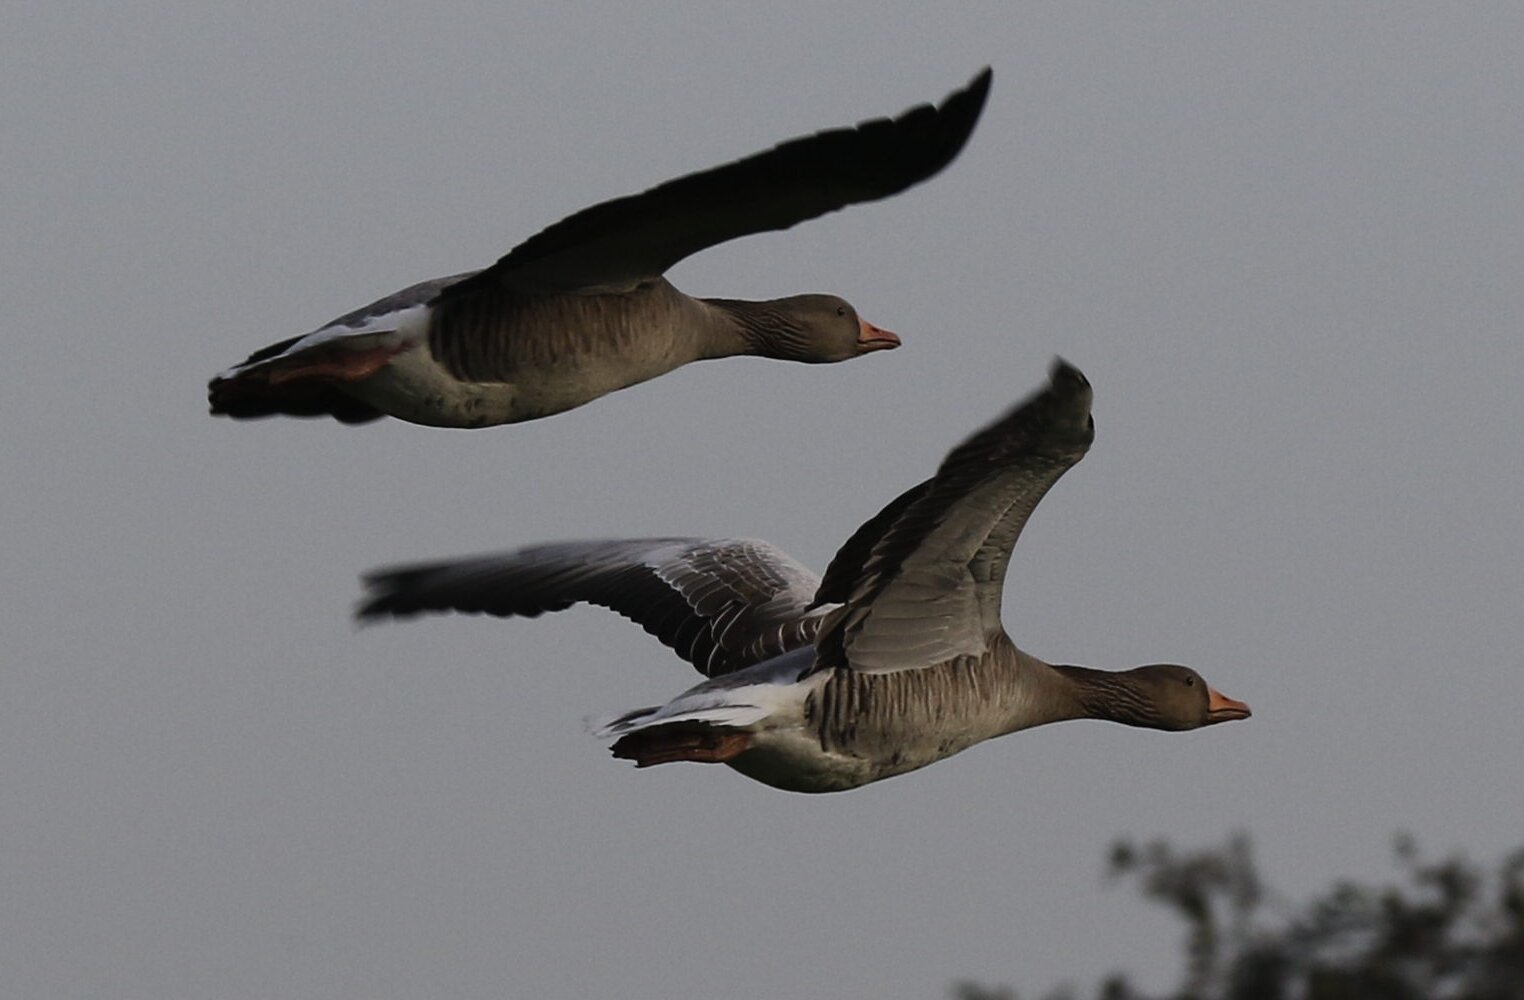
1284	242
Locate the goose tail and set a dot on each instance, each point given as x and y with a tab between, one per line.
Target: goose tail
705	733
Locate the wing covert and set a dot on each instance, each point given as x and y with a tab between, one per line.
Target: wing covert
928	587
721	604
618	244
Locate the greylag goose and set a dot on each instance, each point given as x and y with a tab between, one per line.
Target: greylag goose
581	308
896	659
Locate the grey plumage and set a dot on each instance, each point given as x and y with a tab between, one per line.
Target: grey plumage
895	659
581	308
721	604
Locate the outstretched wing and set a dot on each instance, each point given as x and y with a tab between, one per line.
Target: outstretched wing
722	604
921	582
618	244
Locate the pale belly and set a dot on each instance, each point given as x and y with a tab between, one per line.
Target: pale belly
793	760
416	388
797	764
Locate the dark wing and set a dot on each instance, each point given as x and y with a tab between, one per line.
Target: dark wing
621	243
927	586
722	604
848	563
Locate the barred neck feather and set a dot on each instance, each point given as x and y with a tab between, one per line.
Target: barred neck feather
1108	694
760	328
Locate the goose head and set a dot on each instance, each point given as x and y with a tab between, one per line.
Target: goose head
1169	696
821	329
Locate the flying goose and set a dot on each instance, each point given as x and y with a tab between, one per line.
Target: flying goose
896	659
581	308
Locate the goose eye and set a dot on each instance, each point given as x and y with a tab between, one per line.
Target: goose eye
1190	682
841	310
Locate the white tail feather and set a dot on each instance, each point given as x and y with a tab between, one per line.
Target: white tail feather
731	716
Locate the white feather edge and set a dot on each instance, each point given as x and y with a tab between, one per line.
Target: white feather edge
401	324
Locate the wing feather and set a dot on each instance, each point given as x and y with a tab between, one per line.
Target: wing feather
618	244
722	604
921	582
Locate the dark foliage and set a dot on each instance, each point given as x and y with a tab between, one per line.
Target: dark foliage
1444	931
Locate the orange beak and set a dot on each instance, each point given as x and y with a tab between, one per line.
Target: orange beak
871	338
1221	708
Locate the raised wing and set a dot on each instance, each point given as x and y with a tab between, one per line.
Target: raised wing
621	243
722	604
921	582
852	558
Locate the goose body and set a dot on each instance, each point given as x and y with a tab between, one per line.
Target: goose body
581	309
894	660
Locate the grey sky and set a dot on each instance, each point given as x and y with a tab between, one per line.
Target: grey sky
1285	244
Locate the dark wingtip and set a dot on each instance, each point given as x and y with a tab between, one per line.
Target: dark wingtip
920	142
961	110
384	594
1054	418
1069	387
969	102
977	91
412	590
1063	373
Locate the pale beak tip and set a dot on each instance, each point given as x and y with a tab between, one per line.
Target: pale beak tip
873	338
1221	708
